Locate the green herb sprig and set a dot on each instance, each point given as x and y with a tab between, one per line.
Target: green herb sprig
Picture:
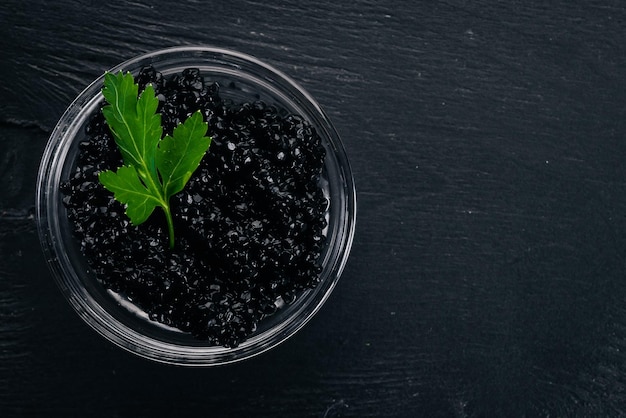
154	168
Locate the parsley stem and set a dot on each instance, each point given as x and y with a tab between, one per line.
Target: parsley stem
153	184
170	224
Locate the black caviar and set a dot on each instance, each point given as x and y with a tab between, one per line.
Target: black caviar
249	224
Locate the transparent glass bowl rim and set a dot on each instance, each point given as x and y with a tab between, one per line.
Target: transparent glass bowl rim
69	280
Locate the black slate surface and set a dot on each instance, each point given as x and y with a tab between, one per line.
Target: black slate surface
487	274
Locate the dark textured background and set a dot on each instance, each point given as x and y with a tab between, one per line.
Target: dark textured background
487	277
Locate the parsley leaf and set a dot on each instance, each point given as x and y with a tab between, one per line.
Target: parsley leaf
179	155
154	169
128	188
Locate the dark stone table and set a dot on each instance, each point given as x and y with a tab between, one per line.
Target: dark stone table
487	275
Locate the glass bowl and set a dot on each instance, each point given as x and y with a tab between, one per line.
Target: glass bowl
241	77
